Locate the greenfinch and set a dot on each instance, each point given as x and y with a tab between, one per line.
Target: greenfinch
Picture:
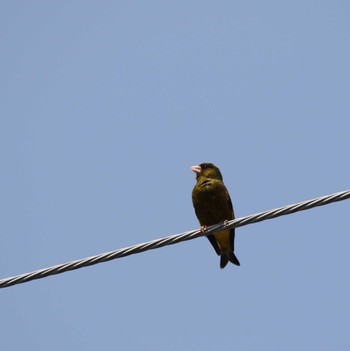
212	204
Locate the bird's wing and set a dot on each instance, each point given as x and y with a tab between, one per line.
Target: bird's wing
232	234
214	243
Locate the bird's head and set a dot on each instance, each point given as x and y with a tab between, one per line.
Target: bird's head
207	170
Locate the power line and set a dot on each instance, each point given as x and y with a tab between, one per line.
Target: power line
174	239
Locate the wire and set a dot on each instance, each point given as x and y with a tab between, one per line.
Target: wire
174	239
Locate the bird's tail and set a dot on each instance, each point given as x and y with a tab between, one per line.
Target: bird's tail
228	256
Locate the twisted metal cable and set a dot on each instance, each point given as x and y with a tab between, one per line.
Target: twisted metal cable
174	239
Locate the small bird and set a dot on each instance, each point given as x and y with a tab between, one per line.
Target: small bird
212	204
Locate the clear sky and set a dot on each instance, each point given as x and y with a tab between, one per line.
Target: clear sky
105	105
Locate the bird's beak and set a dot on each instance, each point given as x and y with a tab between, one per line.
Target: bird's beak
196	169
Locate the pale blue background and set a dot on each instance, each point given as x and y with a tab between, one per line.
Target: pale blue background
105	105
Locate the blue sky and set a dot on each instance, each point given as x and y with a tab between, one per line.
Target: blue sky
104	107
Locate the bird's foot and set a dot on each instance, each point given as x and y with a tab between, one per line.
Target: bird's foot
225	222
203	229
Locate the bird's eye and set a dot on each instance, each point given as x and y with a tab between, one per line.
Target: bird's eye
204	167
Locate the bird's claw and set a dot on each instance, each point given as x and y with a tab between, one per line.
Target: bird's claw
203	228
225	223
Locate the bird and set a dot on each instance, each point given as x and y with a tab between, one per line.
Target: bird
212	204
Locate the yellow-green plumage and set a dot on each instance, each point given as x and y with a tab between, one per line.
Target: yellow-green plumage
212	204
